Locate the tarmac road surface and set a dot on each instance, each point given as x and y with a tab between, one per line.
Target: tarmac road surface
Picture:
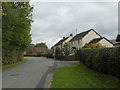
35	73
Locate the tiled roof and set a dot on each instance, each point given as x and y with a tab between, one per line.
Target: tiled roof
61	41
80	35
96	40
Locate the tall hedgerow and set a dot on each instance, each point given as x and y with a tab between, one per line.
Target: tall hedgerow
16	26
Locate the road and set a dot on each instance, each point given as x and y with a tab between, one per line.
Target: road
35	73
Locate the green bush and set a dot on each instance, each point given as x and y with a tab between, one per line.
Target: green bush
49	56
59	56
67	57
16	26
70	58
105	60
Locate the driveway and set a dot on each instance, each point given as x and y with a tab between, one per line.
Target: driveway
35	73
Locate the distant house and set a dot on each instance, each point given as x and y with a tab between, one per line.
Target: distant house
39	50
90	36
61	42
25	52
117	44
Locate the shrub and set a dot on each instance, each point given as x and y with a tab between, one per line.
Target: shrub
105	60
94	45
59	56
70	58
50	56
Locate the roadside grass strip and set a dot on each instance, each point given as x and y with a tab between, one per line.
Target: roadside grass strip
4	67
79	76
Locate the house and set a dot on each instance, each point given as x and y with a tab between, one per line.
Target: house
25	52
39	50
62	42
117	44
90	36
104	42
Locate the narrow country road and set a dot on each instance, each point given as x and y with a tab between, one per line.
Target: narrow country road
35	73
29	74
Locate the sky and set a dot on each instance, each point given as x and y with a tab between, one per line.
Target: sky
55	20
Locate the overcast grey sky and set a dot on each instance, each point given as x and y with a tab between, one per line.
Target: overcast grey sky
53	21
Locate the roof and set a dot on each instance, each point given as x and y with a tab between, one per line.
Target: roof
113	41
83	34
61	41
96	40
80	35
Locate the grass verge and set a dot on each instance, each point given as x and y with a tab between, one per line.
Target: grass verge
79	76
4	67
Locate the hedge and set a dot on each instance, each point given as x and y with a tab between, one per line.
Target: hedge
59	56
11	57
67	57
71	58
105	60
49	56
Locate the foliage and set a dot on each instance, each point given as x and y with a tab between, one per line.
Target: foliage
118	38
93	45
4	67
58	51
66	48
41	45
30	49
59	56
105	60
50	55
71	58
16	25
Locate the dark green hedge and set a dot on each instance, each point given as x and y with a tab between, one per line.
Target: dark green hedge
49	56
67	57
105	60
58	56
70	58
11	57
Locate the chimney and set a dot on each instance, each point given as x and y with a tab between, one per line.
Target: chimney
71	34
63	37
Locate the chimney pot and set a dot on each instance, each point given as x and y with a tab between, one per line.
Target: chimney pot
71	34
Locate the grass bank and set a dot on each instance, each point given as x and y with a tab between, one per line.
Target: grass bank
79	76
13	65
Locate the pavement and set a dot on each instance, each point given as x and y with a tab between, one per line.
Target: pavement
37	72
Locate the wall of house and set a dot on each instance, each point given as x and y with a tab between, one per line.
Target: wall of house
59	46
90	36
73	44
67	40
76	44
106	43
117	44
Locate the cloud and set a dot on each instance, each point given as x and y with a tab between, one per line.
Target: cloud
52	21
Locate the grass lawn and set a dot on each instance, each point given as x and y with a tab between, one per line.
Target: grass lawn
12	65
79	76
